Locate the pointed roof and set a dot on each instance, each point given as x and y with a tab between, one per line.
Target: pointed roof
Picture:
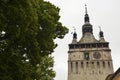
88	38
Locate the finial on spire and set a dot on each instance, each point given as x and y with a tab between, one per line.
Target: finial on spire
85	8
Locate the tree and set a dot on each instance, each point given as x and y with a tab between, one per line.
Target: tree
27	32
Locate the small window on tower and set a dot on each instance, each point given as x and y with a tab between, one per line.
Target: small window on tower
76	67
109	64
92	66
82	64
98	64
103	64
87	64
86	56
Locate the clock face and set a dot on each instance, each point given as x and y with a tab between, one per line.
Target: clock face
97	55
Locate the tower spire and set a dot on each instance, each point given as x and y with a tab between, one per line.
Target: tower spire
101	36
86	15
74	41
101	33
87	27
74	34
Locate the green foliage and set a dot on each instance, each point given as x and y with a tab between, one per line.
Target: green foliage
27	32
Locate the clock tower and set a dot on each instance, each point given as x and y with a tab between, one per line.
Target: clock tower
89	58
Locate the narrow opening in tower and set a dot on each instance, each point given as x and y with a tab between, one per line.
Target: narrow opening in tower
108	64
76	67
71	67
98	64
103	64
81	64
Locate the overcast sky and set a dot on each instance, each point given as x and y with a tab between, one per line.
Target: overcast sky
104	13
